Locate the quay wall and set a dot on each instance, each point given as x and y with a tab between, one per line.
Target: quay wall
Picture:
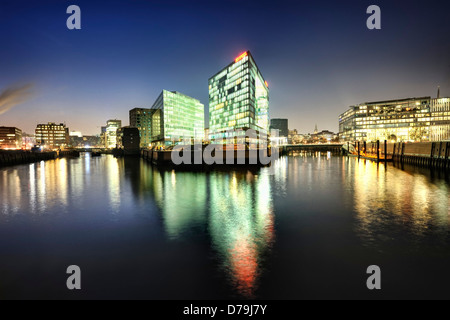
8	158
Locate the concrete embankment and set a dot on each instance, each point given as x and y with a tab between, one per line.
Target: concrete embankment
8	158
13	157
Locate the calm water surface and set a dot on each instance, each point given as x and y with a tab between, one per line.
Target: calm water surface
307	228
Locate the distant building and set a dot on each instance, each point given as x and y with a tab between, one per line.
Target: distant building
324	136
238	99
86	142
128	139
294	137
176	117
281	125
142	119
10	138
103	136
52	135
206	137
75	134
28	141
111	133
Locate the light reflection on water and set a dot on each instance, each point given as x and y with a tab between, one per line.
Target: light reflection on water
387	200
259	230
235	208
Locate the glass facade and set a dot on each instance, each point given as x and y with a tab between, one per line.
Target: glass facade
176	117
413	119
52	135
281	125
238	99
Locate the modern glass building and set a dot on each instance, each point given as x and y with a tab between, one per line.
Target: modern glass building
175	118
412	119
141	118
52	135
238	99
111	133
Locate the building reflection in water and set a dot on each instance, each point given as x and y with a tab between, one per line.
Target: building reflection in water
241	225
113	183
387	200
233	208
182	199
38	187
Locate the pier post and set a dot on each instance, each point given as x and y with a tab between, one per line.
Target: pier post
378	150
385	150
359	150
447	144
403	152
433	146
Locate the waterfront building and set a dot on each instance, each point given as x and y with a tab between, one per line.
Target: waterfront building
141	118
393	120
440	119
52	135
111	133
281	125
28	141
175	118
412	119
128	139
238	99
10	138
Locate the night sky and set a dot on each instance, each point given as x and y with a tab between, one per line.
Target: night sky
317	56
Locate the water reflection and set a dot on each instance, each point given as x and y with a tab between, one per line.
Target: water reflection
231	209
392	205
241	225
221	224
182	199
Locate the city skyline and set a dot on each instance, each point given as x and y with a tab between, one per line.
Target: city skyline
84	77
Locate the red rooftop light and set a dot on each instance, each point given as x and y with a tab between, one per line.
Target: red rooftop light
242	56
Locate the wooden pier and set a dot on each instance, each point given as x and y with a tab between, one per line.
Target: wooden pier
422	154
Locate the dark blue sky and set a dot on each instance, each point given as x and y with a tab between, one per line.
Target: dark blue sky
317	56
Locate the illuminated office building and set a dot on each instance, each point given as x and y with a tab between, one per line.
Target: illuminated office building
440	119
141	118
10	138
111	133
52	135
413	119
176	118
238	99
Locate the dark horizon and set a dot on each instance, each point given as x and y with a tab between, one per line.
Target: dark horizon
318	59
